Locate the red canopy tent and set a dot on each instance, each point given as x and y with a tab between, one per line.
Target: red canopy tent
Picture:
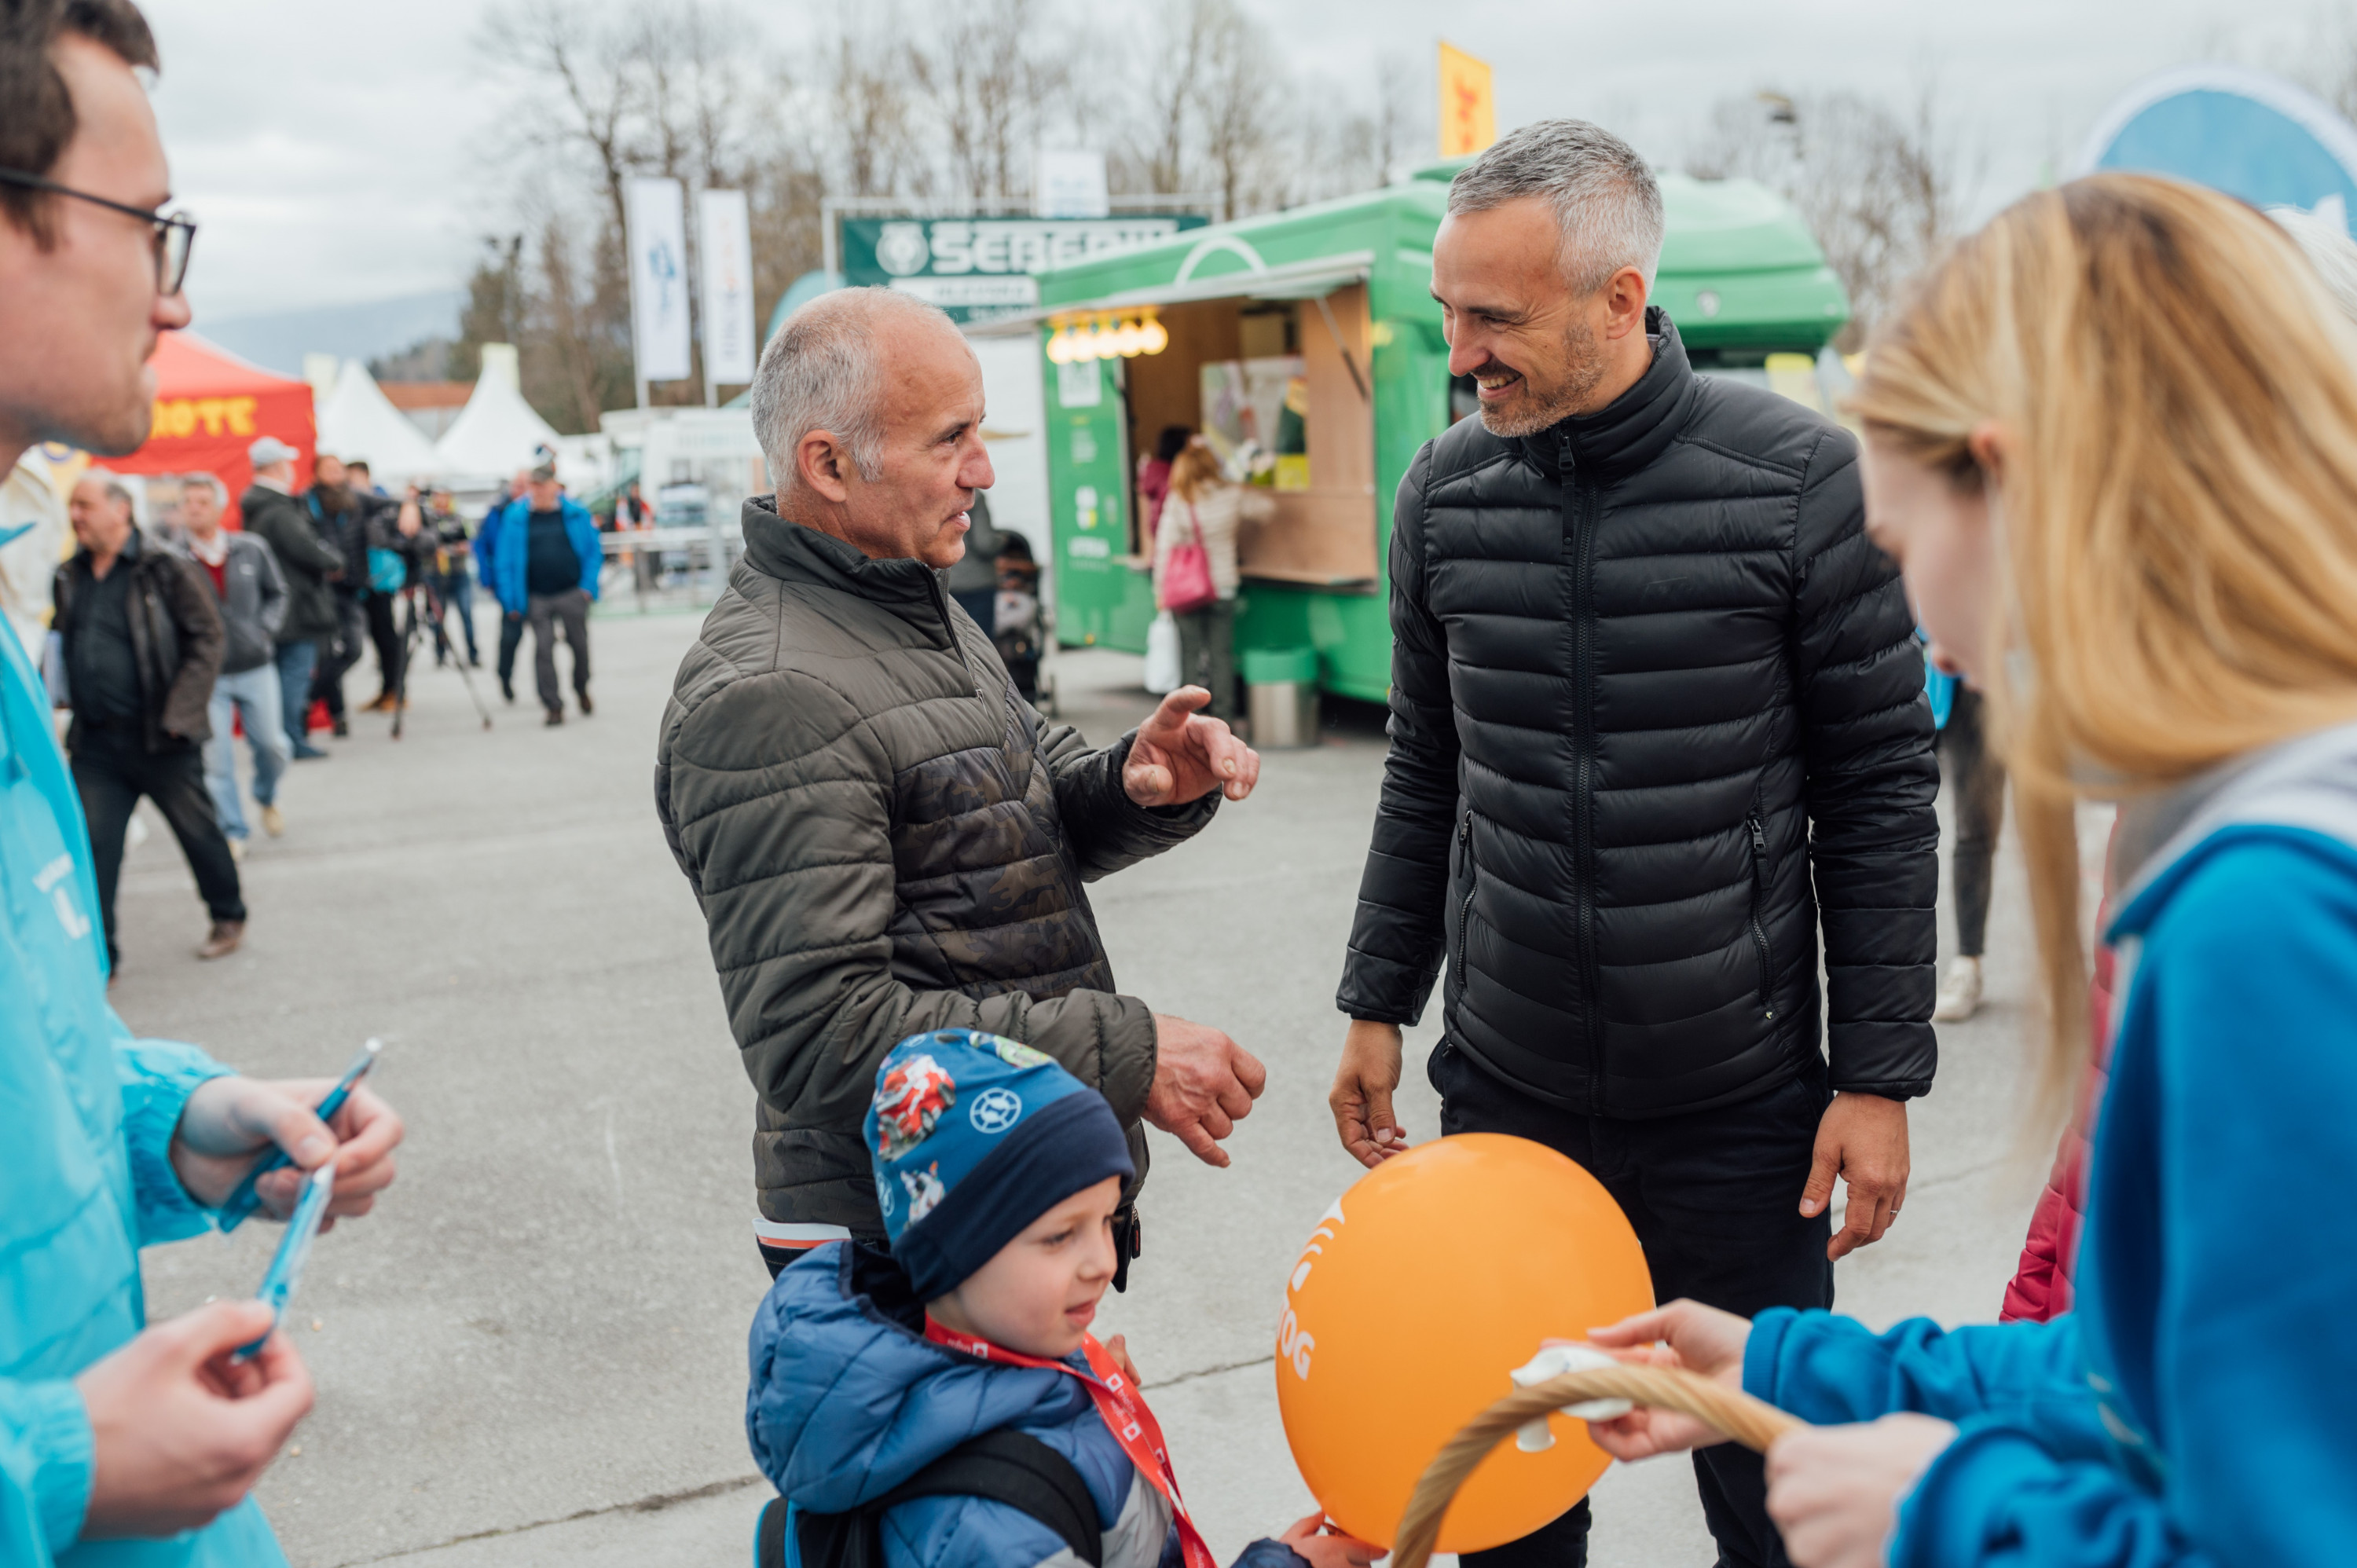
211	406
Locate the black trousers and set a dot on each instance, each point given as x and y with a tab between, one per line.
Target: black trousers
1715	1196
112	768
384	631
1979	781
339	653
511	638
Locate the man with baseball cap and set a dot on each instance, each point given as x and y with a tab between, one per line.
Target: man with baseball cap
310	565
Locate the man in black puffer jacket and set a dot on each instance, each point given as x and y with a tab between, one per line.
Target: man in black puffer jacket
1657	715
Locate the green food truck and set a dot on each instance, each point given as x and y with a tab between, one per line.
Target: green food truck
1306	346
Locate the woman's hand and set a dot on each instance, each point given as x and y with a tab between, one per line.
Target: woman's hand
1684	1334
228	1121
1321	1546
1834	1491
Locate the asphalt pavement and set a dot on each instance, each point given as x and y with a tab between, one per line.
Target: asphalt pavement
534	1351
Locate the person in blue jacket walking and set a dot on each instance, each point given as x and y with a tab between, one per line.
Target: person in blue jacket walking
2113	444
122	1444
541	557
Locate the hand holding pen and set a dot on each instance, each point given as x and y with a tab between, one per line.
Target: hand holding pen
293	1127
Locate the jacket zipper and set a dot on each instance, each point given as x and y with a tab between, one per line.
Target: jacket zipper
1581	504
1759	899
1465	906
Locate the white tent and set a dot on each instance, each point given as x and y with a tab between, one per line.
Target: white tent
495	434
356	420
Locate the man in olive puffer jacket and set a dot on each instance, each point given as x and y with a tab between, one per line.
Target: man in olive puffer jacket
1657	718
885	838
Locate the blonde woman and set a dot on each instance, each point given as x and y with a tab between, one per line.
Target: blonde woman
1202	506
2113	444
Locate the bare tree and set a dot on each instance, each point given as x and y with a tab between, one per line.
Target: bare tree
869	96
1241	98
1882	192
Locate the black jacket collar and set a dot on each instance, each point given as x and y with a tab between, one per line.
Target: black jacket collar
1637	426
790	552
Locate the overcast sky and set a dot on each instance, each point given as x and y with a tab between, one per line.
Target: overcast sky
334	151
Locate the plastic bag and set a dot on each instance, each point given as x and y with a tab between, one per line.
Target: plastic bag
1162	655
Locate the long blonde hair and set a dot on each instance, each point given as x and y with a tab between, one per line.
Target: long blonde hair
2178	504
1195	468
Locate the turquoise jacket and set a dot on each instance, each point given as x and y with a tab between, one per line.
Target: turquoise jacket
88	1113
503	547
2195	1408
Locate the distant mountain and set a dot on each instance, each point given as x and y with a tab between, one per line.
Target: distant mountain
364	330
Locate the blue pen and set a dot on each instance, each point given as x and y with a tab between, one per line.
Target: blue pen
241	1204
294	1251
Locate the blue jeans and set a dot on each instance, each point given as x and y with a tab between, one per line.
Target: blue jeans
253	695
296	660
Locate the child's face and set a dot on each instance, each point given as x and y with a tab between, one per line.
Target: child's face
1039	1294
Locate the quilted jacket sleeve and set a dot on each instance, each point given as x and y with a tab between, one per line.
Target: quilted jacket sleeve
777	802
1108	831
1866	745
1395	936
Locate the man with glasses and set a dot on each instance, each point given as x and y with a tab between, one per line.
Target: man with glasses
147	1439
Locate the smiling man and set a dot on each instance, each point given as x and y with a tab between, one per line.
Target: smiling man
1651	685
884	836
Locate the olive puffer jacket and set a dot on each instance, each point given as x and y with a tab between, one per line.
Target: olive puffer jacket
1650	682
886	838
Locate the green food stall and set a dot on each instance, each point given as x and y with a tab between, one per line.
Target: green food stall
1306	347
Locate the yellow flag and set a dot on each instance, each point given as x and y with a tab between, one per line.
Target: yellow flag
1469	116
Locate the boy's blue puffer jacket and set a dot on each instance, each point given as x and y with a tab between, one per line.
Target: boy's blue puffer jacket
848	1400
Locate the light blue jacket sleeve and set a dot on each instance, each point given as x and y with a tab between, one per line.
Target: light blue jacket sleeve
156	1078
44	1469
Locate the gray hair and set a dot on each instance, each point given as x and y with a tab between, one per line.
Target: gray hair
114	488
201	481
2330	250
820	373
1605	199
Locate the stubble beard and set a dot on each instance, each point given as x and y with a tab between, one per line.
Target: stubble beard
1542	408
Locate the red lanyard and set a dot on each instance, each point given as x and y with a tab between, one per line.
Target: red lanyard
1121	1408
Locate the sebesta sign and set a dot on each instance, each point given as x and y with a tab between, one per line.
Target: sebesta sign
975	268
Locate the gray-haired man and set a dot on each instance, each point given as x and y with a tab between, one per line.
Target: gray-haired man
1651	689
884	837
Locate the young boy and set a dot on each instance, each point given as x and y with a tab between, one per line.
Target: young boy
998	1173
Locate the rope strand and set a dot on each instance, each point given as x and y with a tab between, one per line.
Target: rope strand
1752	1423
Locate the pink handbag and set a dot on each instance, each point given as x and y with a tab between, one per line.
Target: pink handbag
1187	575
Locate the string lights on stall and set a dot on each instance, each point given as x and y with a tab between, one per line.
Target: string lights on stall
1108	335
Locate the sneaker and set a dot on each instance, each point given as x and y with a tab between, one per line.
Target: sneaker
273	821
474	659
380	703
237	850
342	730
224	939
556	718
586	707
1960	992
507	690
308	753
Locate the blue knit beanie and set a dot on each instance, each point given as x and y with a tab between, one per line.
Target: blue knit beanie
974	1137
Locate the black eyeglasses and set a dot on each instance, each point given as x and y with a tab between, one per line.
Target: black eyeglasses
176	233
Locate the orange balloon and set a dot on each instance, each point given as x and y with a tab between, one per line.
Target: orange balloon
1424	1286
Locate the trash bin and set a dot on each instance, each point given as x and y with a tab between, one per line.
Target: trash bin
1281	688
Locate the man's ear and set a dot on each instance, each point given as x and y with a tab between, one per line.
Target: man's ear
819	463
1624	303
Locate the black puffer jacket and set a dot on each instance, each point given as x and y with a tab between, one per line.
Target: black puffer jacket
1649	678
886	838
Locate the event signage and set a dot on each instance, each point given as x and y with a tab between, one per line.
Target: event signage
978	268
725	251
2255	136
659	311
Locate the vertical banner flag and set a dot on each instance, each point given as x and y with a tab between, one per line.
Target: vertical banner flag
724	252
1469	116
658	240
